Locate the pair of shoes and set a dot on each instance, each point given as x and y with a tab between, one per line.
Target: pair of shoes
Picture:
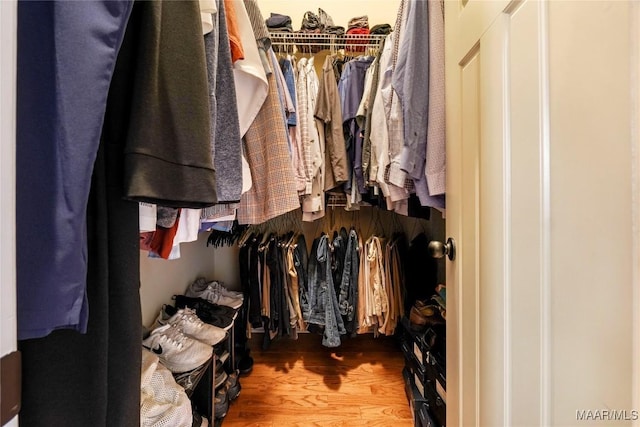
177	351
221	403
233	387
422	315
214	293
201	283
188	321
417	320
425	309
213	314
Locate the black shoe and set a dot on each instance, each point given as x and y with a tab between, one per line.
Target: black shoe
213	314
245	365
232	385
221	404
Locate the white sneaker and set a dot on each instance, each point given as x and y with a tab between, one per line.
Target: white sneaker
224	291
201	283
178	352
190	324
207	291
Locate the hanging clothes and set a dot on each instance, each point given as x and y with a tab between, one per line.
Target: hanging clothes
304	123
72	379
348	295
273	191
296	281
413	58
365	298
235	35
338	253
255	285
411	86
324	309
208	8
340	287
297	156
435	169
393	174
226	141
363	116
66	57
313	142
250	77
188	229
301	262
351	88
260	32
75	380
329	114
169	162
377	281
381	134
394	285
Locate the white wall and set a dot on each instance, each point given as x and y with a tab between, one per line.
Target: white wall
8	337
160	279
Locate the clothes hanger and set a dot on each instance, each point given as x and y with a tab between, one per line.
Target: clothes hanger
289	239
292	239
244	237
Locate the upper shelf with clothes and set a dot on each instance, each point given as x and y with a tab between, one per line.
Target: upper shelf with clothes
315	42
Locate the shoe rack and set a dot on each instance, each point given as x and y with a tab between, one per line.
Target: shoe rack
203	388
425	373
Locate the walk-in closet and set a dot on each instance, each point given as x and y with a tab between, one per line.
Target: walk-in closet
330	213
346	365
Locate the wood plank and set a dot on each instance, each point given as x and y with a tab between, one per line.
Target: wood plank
388	412
264	368
301	383
289	400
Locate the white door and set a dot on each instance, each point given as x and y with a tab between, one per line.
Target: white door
542	133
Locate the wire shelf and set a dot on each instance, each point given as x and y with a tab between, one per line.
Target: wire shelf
316	42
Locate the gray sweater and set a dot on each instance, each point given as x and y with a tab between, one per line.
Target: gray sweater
226	143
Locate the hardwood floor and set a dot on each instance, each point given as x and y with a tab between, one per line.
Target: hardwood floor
302	383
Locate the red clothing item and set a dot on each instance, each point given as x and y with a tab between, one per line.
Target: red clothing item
145	240
162	241
237	50
352	45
